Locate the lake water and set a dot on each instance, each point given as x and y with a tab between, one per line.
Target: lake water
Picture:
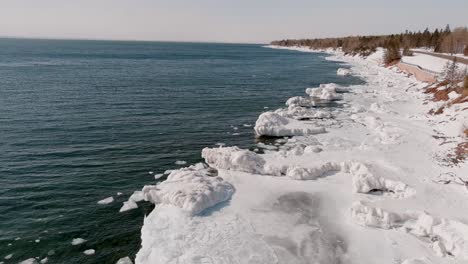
83	120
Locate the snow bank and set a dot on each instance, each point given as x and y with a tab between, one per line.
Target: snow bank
193	189
273	124
343	72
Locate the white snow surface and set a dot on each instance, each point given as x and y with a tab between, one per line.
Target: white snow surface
371	189
429	62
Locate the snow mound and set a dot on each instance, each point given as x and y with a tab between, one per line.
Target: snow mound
448	237
273	124
324	92
343	72
192	189
107	200
364	181
374	217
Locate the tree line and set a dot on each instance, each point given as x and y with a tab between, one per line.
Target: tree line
440	40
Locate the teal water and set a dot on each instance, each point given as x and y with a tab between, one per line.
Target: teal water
83	120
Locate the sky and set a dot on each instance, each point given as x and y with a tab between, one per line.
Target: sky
237	21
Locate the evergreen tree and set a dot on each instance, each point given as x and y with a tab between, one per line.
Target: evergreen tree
451	73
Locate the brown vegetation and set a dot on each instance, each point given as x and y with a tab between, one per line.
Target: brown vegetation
441	40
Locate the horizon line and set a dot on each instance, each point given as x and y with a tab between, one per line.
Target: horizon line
130	40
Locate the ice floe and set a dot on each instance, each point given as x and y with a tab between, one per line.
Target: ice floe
107	200
89	252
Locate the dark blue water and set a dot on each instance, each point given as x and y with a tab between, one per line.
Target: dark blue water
83	120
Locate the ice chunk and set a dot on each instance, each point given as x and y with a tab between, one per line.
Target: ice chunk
89	252
29	261
44	260
107	200
137	196
375	217
128	205
364	181
273	124
9	256
125	260
343	72
191	189
180	162
77	241
234	158
158	176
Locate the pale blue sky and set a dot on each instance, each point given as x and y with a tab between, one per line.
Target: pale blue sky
258	21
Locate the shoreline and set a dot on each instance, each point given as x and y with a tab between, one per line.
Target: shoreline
372	173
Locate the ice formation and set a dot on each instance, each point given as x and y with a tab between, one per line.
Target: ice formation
192	189
234	158
324	92
364	181
273	124
343	72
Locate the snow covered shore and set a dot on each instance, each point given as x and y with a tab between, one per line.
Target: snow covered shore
359	184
